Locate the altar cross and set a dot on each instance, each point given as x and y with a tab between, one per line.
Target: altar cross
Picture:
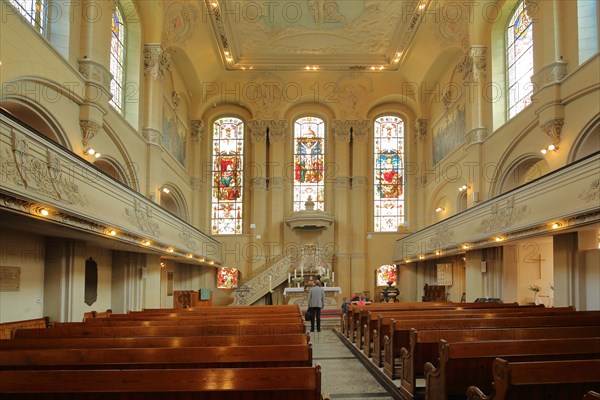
539	260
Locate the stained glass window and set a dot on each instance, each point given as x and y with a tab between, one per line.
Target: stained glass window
227	278
385	274
309	160
34	11
388	173
117	58
227	176
519	56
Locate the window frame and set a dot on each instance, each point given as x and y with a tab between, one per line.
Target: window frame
39	21
319	204
121	61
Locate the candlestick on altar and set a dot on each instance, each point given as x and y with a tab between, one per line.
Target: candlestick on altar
289	277
295	274
302	271
333	276
327	272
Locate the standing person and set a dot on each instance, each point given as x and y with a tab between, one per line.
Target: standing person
316	301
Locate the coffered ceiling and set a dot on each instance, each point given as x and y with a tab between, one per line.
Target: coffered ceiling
342	35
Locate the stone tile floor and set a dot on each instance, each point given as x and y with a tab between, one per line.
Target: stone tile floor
343	376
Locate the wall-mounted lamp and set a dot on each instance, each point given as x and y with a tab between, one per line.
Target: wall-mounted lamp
170	250
439	209
44	212
555	225
465	246
498	239
549	148
421	257
252	226
146	242
462	188
91	152
112	232
166	190
190	255
437	252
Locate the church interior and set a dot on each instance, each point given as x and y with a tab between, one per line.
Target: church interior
194	153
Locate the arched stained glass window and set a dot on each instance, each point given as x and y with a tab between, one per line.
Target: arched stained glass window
309	161
227	176
519	56
388	173
34	11
117	59
385	274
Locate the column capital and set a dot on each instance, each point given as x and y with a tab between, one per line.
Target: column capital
277	130
258	130
341	130
360	130
156	61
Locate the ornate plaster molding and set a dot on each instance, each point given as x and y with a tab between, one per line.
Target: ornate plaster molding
553	128
156	61
258	130
550	74
277	182
259	183
503	216
89	129
353	92
142	216
342	182
359	182
592	193
441	237
175	99
196	184
179	20
277	129
421	129
96	73
186	237
477	135
152	136
197	126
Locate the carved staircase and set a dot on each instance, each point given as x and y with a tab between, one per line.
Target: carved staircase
256	284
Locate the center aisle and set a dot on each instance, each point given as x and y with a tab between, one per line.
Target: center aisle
343	375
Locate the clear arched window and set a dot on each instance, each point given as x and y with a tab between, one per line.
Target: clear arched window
227	176
388	140
587	28
34	11
117	59
519	57
309	162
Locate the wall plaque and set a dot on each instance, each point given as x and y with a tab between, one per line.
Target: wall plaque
10	279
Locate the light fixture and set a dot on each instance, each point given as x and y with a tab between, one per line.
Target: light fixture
462	188
407	260
163	264
112	232
549	148
211	262
555	225
146	242
439	209
437	252
166	190
465	246
498	239
214	4
44	212
373	68
421	257
190	256
170	250
202	259
369	236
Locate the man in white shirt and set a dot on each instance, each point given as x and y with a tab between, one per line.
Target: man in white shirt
316	301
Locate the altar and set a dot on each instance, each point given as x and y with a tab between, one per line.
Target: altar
299	296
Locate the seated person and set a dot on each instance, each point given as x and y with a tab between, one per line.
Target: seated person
345	305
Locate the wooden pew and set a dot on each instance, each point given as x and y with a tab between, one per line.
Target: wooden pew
372	323
384	321
7	329
591	395
156	341
178	321
285	383
95	314
400	330
85	330
223	309
541	380
178	357
464	364
424	345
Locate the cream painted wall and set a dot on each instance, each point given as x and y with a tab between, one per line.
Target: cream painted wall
592	277
27	252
